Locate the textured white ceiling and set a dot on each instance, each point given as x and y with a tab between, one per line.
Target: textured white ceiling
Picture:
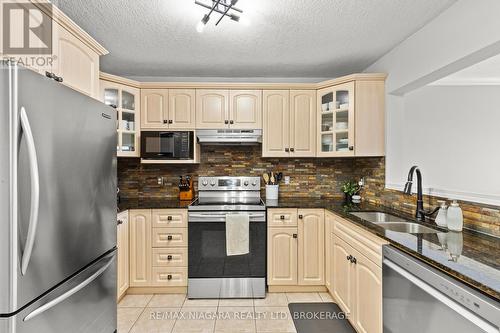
286	38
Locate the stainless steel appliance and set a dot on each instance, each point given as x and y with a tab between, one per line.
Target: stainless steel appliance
229	136
167	145
419	298
57	207
211	273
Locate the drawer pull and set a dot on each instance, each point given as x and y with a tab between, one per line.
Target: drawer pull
169	218
169	257
282	217
169	237
169	277
301	217
294	235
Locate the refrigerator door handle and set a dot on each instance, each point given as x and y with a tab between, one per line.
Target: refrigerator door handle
35	191
69	293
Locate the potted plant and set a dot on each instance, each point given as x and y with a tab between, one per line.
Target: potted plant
350	188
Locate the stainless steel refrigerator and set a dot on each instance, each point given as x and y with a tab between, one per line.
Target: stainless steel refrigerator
57	207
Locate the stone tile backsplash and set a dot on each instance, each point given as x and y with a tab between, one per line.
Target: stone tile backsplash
310	177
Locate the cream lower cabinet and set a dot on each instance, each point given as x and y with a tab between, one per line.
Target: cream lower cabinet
356	281
140	247
122	244
289	118
158	248
295	247
328	249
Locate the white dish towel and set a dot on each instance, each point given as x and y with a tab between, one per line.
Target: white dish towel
237	234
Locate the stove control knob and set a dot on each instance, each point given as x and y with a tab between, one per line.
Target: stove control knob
204	183
254	184
245	183
212	183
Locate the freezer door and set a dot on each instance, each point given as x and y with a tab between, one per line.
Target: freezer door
84	303
66	187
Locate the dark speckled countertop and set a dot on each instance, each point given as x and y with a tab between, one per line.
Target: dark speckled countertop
471	257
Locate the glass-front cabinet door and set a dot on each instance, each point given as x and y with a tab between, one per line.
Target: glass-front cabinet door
336	121
126	101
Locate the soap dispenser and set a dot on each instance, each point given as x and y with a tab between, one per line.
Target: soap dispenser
455	218
441	218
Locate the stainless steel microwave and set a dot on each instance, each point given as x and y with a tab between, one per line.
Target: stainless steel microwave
167	145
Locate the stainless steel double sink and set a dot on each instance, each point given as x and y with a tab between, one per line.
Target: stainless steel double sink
394	223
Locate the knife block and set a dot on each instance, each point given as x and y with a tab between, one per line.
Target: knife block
187	193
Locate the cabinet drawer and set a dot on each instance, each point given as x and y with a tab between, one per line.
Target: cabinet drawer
169	276
170	257
170	237
173	218
282	217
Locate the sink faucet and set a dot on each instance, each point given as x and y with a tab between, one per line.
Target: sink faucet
420	213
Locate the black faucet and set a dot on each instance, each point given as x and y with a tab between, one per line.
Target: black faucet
420	213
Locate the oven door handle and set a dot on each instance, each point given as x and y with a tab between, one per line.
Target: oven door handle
221	215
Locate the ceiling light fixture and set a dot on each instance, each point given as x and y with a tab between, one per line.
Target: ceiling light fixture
223	7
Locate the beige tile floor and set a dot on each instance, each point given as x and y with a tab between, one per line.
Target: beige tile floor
175	313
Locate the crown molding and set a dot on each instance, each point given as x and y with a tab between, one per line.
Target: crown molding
62	19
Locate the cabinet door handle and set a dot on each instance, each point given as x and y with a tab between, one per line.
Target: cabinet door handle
301	217
169	218
169	237
231	122
226	122
294	235
287	150
169	257
170	121
353	260
351	147
292	150
282	217
120	222
169	277
349	258
165	121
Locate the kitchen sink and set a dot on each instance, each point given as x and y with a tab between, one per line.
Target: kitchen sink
378	217
394	223
407	227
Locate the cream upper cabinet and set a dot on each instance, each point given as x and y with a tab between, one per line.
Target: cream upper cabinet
329	220
122	244
181	108
212	109
351	119
276	123
311	247
343	275
282	256
302	123
245	109
126	101
140	247
76	63
367	295
154	108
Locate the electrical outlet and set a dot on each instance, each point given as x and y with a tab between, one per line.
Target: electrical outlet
160	180
287	180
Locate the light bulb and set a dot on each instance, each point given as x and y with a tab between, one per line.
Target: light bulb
200	27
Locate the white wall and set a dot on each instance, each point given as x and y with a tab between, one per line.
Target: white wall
466	33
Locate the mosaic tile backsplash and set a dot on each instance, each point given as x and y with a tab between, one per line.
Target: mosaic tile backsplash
310	177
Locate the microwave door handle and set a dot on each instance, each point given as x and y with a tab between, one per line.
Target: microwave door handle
35	191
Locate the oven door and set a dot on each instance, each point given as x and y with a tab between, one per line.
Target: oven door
207	247
167	145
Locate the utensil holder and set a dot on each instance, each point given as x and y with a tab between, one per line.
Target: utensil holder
272	192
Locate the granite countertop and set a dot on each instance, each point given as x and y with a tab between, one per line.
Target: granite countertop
147	203
469	256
